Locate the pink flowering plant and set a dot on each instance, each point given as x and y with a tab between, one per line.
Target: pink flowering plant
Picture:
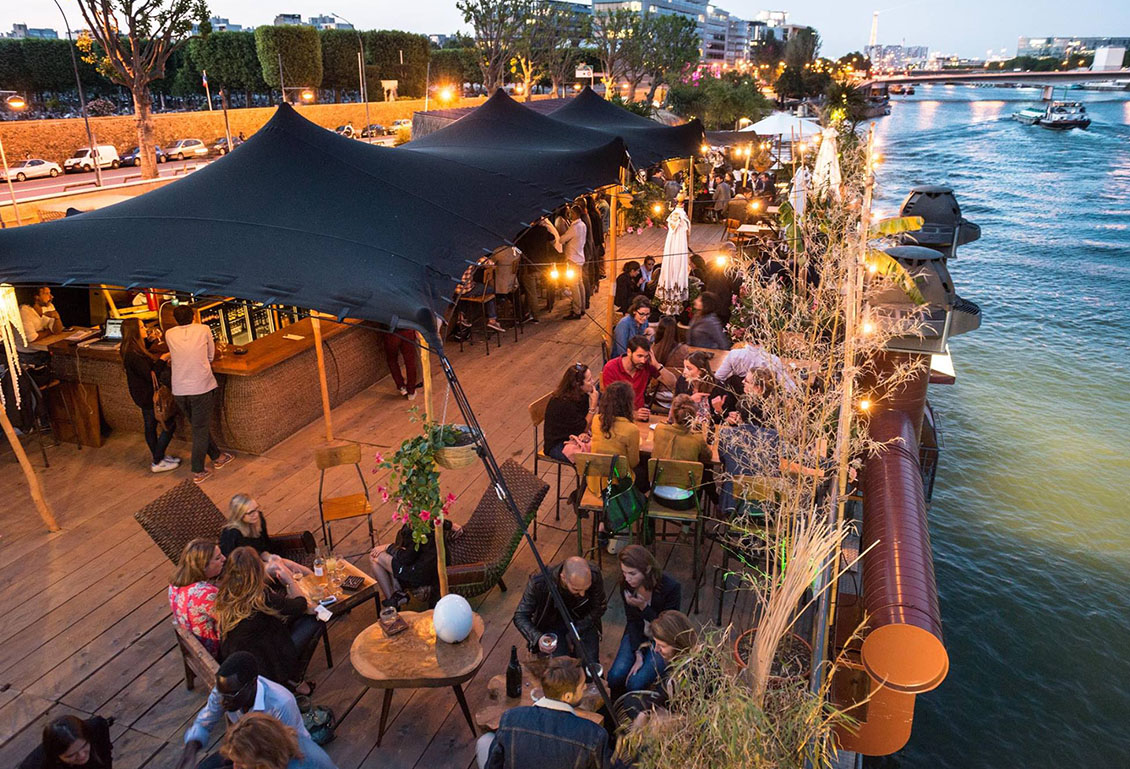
414	481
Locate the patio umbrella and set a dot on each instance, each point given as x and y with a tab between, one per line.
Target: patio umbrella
798	192
784	124
673	278
826	172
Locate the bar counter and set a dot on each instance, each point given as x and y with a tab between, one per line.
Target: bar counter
265	395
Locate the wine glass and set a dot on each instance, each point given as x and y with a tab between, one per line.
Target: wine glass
547	644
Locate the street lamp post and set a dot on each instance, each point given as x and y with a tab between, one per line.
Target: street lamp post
362	77
15	104
82	99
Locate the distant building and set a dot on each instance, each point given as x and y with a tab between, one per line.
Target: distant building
439	41
897	56
1062	47
1108	58
220	24
24	32
328	22
288	19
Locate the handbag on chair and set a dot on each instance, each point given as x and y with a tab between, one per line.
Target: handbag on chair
623	502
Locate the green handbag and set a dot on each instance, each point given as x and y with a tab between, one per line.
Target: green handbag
623	502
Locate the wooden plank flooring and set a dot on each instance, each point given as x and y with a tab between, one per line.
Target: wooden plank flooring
86	620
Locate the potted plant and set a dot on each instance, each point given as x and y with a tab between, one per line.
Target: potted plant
454	445
791	662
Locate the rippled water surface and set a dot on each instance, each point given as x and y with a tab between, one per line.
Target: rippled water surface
1031	521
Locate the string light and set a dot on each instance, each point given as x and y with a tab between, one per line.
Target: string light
570	273
554	274
868	327
657	208
865	404
872	267
10	324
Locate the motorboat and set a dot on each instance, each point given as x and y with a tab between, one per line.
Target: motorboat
1055	115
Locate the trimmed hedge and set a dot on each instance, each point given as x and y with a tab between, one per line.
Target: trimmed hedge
58	139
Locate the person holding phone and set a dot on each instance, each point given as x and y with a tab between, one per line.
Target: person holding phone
647	592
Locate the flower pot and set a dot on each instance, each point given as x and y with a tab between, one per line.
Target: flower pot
793	653
460	455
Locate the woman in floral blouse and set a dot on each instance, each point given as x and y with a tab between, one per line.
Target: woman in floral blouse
192	593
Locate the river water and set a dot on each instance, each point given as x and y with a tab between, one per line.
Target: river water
1030	522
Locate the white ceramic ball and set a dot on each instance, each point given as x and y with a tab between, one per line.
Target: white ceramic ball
452	618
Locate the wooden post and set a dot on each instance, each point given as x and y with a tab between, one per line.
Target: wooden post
317	324
426	372
690	189
441	558
613	264
29	472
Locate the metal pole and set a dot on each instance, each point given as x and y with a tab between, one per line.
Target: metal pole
427	83
282	87
81	96
207	90
224	107
11	189
360	67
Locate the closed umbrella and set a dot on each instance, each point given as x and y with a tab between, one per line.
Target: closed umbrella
826	171
675	274
798	193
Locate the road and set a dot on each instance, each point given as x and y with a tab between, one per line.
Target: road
33	188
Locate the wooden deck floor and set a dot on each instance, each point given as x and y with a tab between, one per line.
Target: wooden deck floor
86	624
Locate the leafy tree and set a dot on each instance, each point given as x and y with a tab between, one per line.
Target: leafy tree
300	50
856	60
339	61
671	43
497	23
134	42
48	65
231	62
845	102
615	35
384	48
802	47
719	102
13	68
458	40
768	52
456	65
182	75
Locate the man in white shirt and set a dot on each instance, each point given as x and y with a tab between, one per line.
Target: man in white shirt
572	244
191	350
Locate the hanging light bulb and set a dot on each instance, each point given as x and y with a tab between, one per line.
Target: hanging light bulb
570	273
657	208
872	267
868	327
554	274
865	404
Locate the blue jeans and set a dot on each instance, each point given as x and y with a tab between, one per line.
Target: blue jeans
558	452
619	680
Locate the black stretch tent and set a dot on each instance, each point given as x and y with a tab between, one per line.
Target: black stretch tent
501	134
648	142
300	216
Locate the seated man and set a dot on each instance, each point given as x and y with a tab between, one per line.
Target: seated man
240	690
634	323
582	590
548	734
473	287
637	368
39	319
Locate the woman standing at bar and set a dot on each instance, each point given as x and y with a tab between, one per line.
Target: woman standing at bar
142	371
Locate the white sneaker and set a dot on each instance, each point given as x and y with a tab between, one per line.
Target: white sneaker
412	395
164	466
403	390
171	458
493	325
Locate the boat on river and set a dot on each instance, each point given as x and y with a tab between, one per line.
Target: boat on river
1055	115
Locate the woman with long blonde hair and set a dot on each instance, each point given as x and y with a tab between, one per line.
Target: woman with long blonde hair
247	527
273	626
192	591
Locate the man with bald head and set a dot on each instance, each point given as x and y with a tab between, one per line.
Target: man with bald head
582	589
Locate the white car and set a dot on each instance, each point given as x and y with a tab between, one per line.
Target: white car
186	148
105	154
32	168
403	122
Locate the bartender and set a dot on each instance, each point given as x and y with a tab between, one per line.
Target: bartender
40	319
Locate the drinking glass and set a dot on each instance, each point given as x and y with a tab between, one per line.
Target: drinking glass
547	644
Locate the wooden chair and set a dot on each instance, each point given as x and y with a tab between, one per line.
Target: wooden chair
681	475
732	234
585	502
481	556
755	496
537	417
513	296
198	663
347	506
481	298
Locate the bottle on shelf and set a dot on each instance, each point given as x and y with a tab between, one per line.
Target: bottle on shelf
514	675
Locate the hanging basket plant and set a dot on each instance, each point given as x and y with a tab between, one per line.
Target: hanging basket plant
455	447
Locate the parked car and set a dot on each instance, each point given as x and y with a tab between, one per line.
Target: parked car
105	155
373	130
220	146
186	148
345	130
403	122
133	157
32	168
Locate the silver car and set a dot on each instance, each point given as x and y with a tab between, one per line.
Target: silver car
32	168
186	148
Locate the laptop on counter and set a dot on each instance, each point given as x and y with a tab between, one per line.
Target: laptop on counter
111	336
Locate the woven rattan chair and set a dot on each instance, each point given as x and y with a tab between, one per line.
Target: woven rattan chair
482	554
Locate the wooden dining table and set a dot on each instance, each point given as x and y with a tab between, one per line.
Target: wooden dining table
315	589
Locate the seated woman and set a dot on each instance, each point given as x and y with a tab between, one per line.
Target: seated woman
403	566
747	442
672	635
192	592
647	592
260	740
697	381
247	527
669	353
569	413
72	743
680	439
276	627
614	431
627	286
549	734
706	327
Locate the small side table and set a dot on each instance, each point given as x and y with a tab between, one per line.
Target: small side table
487	717
415	659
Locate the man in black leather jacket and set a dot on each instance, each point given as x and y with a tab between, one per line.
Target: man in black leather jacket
582	589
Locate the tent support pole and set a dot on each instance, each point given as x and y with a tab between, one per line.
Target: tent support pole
426	372
613	259
34	488
690	189
317	324
500	488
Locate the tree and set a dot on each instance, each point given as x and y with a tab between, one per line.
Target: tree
497	23
136	40
400	56
458	40
718	102
614	33
802	47
299	50
845	102
671	43
48	65
339	61
456	65
231	61
855	60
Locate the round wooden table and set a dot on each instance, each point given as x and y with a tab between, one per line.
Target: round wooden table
415	659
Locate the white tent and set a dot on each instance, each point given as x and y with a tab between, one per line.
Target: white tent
785	125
